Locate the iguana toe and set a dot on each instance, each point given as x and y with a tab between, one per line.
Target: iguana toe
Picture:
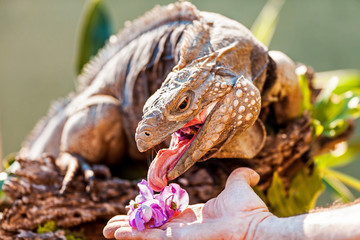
72	163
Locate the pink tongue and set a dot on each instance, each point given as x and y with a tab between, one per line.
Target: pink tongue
166	159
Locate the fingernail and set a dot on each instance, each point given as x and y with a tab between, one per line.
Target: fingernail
254	178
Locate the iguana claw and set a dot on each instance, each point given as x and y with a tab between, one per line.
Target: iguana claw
73	163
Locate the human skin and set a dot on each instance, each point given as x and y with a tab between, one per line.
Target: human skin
238	213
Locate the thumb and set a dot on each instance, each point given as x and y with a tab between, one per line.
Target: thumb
238	193
241	175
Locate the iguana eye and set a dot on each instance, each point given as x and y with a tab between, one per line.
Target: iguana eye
183	103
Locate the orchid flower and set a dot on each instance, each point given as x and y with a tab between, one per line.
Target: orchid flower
159	208
150	209
146	193
173	199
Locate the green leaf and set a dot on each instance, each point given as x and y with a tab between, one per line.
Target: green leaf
74	235
348	180
318	128
335	128
338	188
327	88
350	80
8	160
277	198
341	156
265	24
95	29
305	189
49	226
350	106
301	196
332	110
305	90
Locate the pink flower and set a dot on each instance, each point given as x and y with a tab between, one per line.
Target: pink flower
146	193
148	210
156	209
173	199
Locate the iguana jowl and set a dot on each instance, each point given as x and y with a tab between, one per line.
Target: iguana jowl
213	77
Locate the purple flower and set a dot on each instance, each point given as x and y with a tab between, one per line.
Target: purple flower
173	199
146	193
156	210
150	209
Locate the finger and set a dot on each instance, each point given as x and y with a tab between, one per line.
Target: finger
240	181
238	194
118	218
131	233
244	174
109	231
110	228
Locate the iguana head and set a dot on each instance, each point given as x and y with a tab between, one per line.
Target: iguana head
207	97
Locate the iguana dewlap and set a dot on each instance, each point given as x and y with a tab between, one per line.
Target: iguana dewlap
197	77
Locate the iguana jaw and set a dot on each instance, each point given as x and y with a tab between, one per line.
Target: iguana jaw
167	159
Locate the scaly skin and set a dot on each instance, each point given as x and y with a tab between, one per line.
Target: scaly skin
213	64
218	80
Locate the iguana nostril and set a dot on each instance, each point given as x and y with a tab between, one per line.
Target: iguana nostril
147	134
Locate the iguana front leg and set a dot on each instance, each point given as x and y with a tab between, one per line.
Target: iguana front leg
93	133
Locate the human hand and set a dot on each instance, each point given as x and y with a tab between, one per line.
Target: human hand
234	213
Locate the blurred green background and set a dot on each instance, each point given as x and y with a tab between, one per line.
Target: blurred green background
38	42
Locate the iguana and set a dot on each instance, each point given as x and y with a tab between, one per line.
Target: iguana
197	78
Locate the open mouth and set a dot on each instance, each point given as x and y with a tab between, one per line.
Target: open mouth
166	159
